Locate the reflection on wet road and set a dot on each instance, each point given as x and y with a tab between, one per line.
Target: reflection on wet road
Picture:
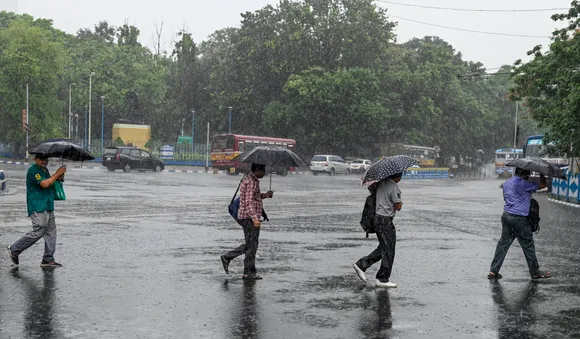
141	256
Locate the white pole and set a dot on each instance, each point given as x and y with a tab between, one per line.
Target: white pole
90	97
515	137
27	121
207	150
69	108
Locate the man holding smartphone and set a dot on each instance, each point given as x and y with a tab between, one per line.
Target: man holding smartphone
40	205
249	214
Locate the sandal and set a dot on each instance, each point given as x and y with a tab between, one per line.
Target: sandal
494	276
544	275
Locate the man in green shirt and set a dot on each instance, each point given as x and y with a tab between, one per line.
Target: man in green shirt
40	204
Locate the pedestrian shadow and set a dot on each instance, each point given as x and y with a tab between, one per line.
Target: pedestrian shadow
376	320
245	311
39	317
515	317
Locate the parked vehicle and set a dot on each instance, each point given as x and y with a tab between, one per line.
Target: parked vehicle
360	165
129	158
331	164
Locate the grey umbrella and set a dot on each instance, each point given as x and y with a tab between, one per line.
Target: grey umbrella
387	167
538	165
272	156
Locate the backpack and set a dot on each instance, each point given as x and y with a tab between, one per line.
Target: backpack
234	205
367	221
534	216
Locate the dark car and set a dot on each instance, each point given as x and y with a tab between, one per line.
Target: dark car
129	158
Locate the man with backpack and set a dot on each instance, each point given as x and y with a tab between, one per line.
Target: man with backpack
387	203
518	223
249	213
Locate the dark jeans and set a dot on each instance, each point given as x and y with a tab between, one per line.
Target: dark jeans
515	226
385	252
250	247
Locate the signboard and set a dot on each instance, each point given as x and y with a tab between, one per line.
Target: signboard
535	142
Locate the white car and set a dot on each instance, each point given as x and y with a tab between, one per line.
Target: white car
360	165
329	164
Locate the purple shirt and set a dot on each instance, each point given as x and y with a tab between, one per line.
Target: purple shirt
517	194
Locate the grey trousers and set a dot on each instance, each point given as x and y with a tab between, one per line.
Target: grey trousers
515	227
385	252
43	226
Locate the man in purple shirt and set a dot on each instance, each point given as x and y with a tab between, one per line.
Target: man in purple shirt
517	194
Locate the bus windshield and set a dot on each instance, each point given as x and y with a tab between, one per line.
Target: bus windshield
223	142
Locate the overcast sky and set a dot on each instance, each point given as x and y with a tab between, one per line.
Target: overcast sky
202	17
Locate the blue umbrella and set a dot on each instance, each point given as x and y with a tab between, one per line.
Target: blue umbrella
387	167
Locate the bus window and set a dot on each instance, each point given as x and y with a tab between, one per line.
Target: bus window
241	146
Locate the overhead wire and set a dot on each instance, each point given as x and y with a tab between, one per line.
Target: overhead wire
470	30
474	10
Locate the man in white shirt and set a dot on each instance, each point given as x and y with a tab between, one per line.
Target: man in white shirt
387	204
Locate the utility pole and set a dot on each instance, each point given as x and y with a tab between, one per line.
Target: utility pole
70	108
27	120
90	99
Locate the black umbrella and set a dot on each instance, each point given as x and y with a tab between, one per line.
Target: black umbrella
272	156
387	167
63	150
538	165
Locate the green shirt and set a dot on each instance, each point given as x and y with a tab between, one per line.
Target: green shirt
38	199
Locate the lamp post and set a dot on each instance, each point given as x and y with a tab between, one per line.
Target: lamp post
182	123
230	120
90	96
102	123
192	129
70	107
77	130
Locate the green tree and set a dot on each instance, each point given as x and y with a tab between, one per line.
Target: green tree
550	82
28	55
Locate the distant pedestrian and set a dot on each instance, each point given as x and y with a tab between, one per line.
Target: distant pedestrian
388	202
517	194
40	205
249	214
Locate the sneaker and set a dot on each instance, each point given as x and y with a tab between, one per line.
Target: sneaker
360	273
50	264
13	258
387	284
225	264
252	277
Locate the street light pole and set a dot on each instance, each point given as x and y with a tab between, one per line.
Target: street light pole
515	136
90	97
27	120
192	126
182	123
77	131
70	107
230	120
102	123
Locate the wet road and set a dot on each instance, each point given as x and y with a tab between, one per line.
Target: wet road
141	260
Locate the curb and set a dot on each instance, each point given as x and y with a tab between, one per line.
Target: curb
571	204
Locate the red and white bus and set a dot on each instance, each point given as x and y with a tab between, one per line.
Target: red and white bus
225	147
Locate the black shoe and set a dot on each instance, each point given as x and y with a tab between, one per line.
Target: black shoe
50	264
13	258
252	277
225	264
